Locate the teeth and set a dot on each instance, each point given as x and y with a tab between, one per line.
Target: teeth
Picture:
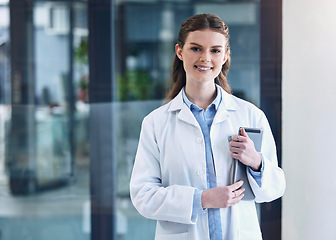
204	68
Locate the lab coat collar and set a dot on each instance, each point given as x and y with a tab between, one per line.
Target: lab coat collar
215	102
227	104
185	114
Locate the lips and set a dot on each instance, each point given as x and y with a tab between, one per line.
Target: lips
203	68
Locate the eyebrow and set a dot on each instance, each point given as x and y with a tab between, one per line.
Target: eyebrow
216	46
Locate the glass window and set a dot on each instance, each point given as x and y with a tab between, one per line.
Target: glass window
5	85
44	150
44	105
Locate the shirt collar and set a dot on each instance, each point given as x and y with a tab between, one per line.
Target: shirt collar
215	102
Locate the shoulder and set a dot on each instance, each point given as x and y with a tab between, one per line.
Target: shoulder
245	109
158	115
161	114
246	105
234	103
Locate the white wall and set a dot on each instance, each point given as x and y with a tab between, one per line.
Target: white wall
309	119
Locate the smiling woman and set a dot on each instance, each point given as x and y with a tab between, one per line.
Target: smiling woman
130	49
192	31
182	174
203	56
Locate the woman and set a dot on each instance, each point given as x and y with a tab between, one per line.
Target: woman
182	175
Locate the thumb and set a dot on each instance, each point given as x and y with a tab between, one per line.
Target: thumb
243	133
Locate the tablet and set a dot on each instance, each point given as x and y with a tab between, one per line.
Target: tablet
239	169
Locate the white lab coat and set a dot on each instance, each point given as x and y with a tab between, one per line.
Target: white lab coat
170	164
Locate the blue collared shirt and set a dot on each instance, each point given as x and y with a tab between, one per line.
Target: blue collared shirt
205	119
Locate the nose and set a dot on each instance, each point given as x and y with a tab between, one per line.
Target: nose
205	57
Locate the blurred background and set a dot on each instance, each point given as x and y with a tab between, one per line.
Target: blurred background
77	78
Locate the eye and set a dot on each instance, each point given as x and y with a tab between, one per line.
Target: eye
195	49
215	51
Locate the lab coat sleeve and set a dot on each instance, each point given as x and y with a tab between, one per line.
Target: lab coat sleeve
273	179
172	203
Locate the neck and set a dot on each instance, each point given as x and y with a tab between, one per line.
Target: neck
201	95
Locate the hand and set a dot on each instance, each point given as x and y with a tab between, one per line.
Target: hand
223	196
242	148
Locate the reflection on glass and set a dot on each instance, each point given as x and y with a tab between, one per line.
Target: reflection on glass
44	178
44	150
5	86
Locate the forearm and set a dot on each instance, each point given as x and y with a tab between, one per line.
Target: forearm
172	203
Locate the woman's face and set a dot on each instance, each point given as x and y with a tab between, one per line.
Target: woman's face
203	55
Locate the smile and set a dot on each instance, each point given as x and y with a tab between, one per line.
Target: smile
203	68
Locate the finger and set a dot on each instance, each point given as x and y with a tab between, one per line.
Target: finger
237	155
235	143
235	138
240	147
243	132
236	185
238	139
239	192
237	149
236	200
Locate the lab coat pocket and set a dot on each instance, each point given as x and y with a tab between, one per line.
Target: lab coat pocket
177	236
249	235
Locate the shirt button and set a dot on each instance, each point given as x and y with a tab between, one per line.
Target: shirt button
199	173
199	140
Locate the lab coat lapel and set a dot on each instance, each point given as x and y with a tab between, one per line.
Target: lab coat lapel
184	113
221	115
227	104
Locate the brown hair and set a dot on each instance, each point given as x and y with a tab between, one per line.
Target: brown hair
194	23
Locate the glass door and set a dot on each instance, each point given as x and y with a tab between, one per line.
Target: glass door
60	177
44	121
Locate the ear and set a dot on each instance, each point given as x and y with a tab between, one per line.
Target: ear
178	51
226	56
